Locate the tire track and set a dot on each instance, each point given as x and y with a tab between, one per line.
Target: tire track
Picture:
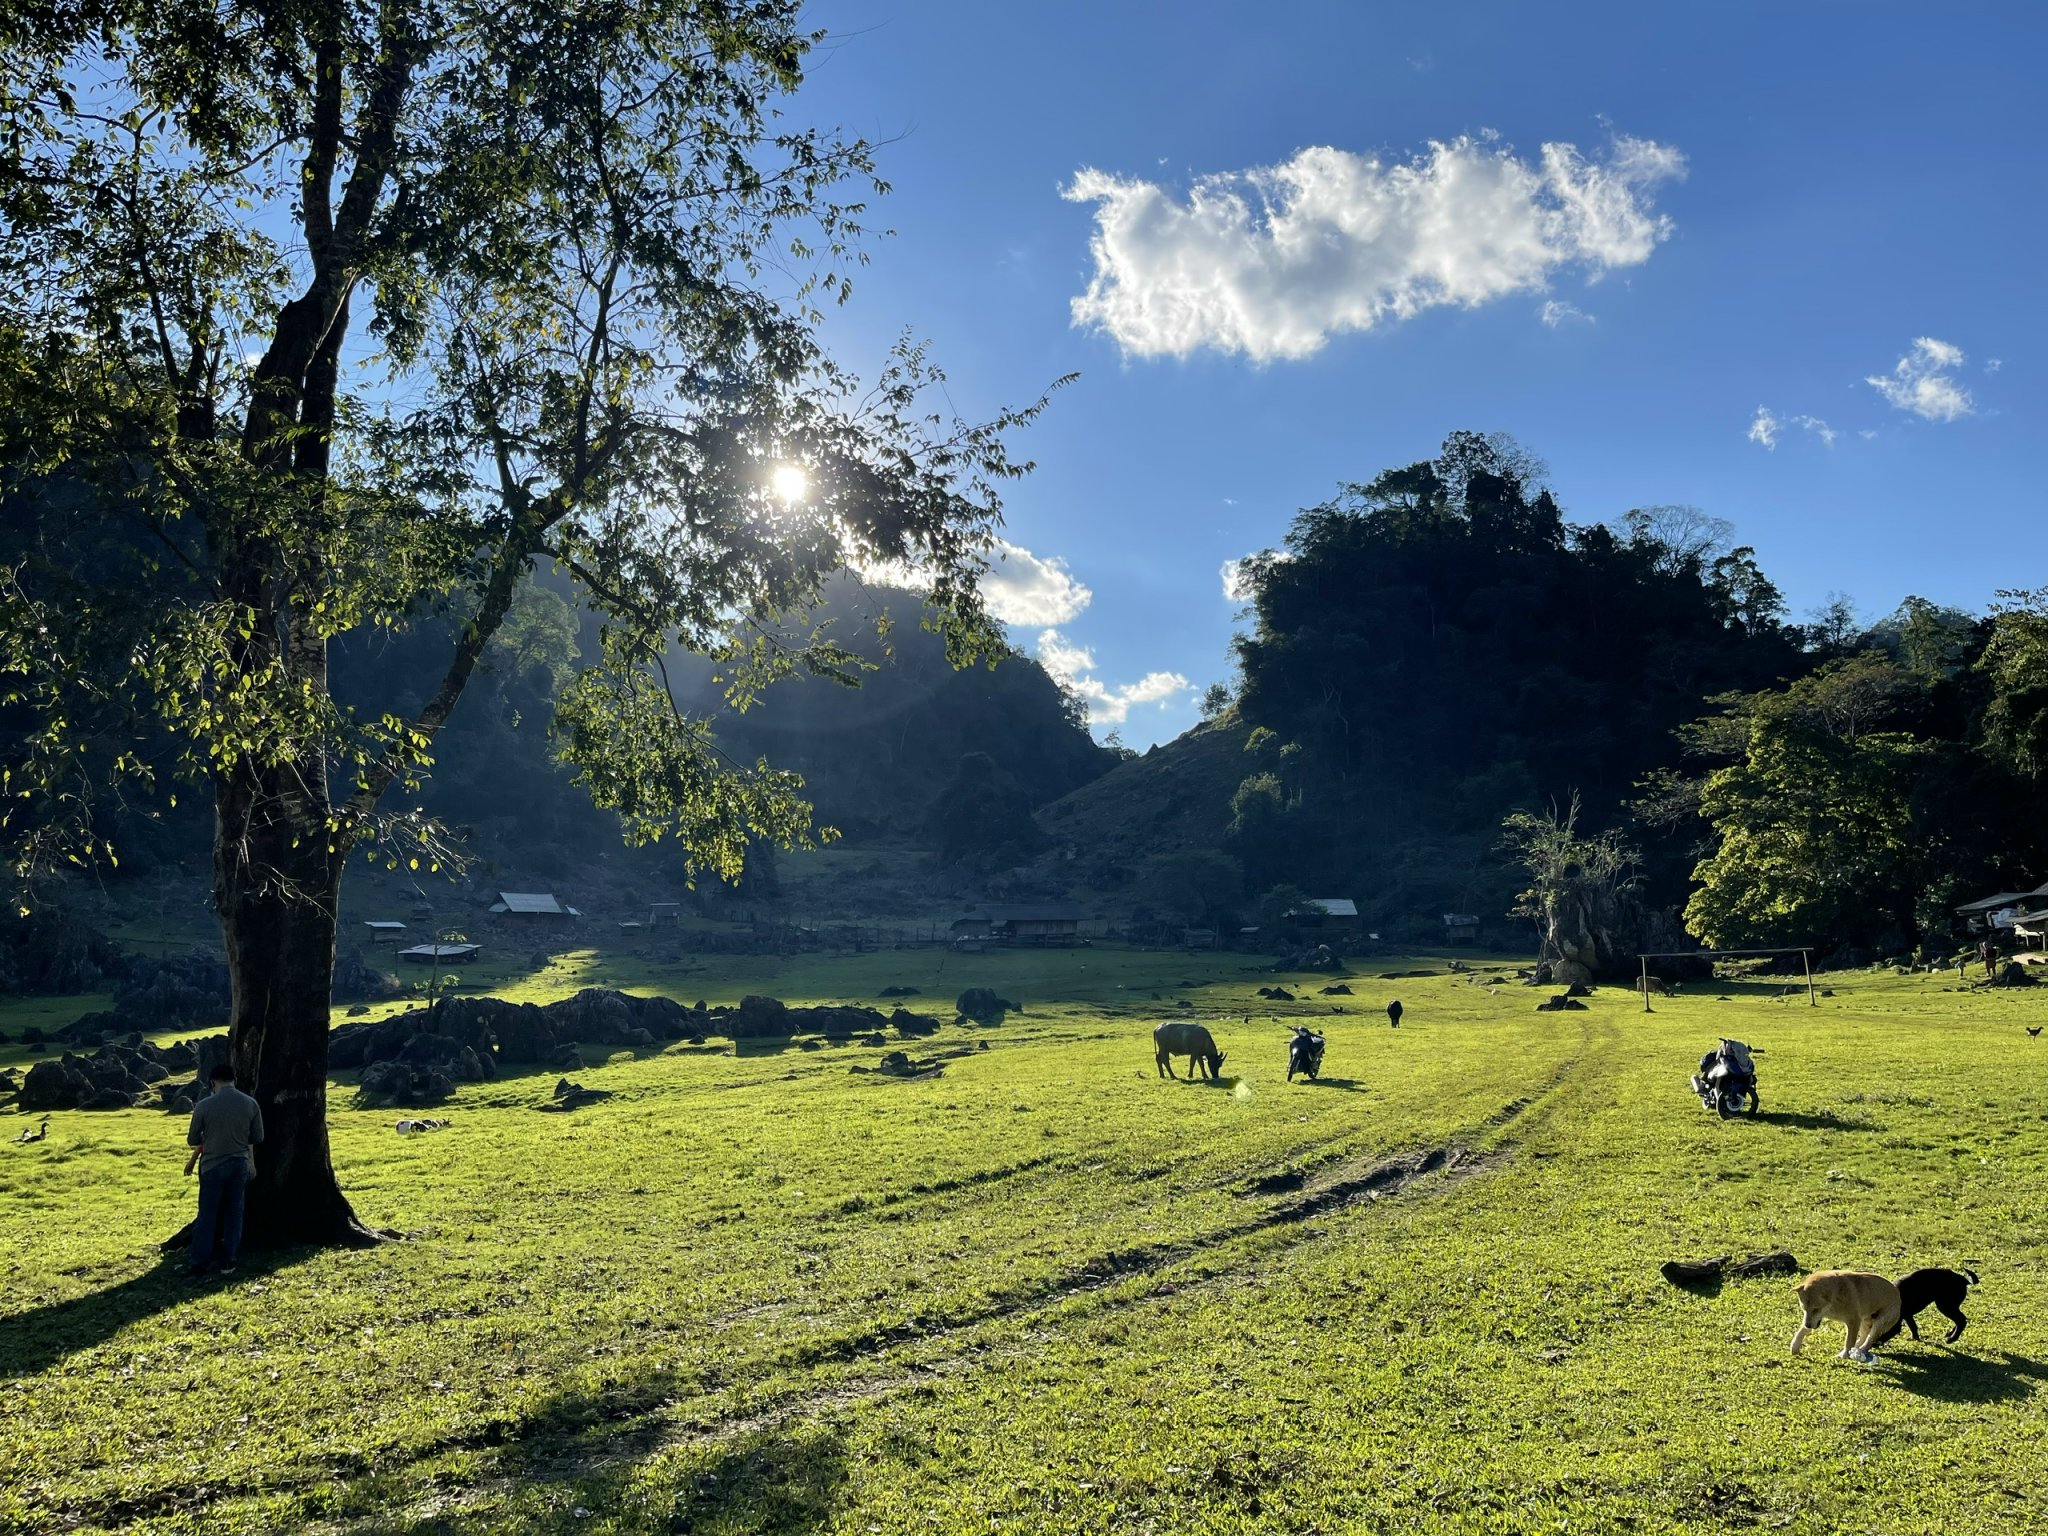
634	1424
635	1431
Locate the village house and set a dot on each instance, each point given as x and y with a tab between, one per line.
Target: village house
538	905
1042	923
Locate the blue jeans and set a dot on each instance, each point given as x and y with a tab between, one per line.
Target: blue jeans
222	1190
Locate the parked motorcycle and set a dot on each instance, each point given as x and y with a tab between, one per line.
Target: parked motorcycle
1304	1053
1726	1080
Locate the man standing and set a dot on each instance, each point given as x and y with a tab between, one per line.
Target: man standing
226	1126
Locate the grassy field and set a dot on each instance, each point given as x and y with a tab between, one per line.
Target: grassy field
1045	1291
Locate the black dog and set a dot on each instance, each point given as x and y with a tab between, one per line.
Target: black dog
1942	1289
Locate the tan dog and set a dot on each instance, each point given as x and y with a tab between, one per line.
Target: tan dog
1865	1304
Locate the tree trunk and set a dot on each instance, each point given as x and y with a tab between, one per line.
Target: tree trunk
276	886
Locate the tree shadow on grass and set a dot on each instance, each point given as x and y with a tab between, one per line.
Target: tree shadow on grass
779	1480
1800	1120
1954	1377
612	1453
1704	1286
35	1340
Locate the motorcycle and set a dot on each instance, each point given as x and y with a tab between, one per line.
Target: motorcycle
1304	1053
1726	1080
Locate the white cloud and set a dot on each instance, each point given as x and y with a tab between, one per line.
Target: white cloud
1074	666
1818	428
1021	588
1765	426
1993	364
1866	433
1237	585
1558	313
1921	381
1274	261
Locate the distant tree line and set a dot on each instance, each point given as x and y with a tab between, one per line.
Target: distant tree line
1859	804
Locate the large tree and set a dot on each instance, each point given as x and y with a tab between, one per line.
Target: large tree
323	315
2015	665
1817	836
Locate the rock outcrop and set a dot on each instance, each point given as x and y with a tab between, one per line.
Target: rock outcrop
123	1074
983	1005
399	1085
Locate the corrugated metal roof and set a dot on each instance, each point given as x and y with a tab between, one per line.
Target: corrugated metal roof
439	952
532	901
1335	906
386	927
1461	919
2002	899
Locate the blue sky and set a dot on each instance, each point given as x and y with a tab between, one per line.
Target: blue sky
1768	207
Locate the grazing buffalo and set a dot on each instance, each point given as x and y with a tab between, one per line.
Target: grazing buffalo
1183	1039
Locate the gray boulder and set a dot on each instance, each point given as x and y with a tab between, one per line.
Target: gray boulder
983	1005
913	1025
394	1084
58	1084
426	1049
759	1016
568	1096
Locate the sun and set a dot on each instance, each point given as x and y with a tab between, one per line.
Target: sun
791	483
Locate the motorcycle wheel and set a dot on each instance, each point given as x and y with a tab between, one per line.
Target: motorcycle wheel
1755	1103
1728	1105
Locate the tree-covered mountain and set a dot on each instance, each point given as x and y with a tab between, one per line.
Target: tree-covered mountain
1437	651
1436	647
1431	652
877	759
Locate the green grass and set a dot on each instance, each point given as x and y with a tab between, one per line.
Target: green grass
1046	1291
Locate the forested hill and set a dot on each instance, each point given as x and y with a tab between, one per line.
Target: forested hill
1445	648
1431	650
875	759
